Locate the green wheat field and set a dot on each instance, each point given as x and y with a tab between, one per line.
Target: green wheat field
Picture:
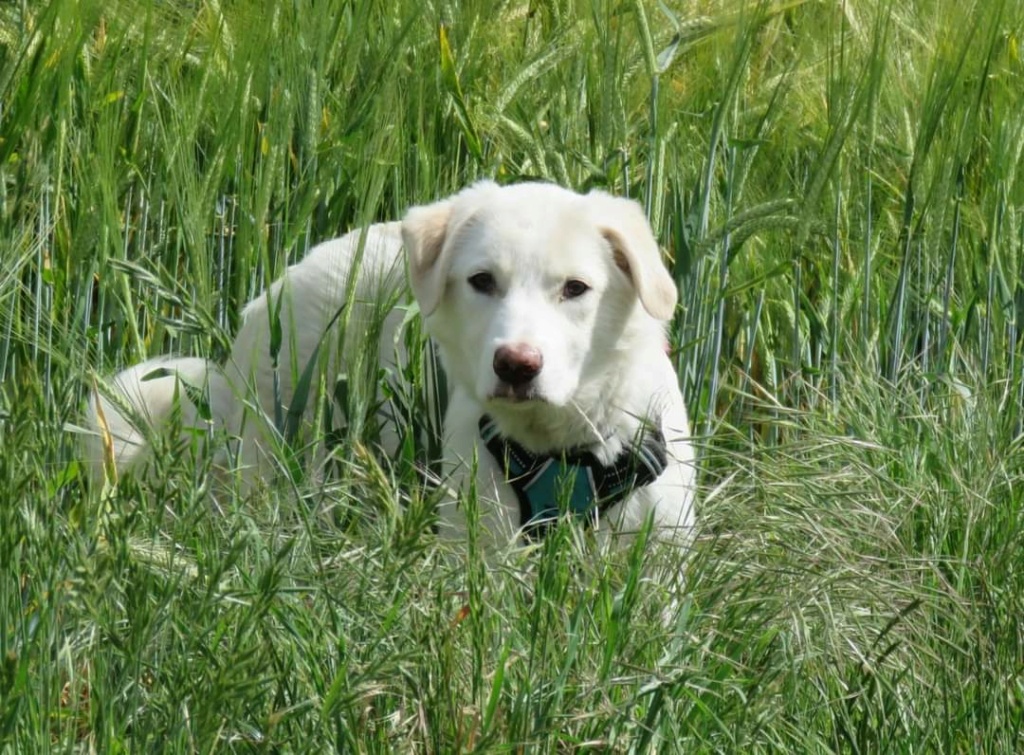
835	184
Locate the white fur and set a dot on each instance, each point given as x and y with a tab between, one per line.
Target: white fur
604	363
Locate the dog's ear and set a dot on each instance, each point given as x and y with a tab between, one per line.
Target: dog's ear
424	231
429	230
623	224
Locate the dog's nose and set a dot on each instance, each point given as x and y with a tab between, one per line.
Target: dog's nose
518	363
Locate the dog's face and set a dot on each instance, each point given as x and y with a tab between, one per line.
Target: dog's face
530	289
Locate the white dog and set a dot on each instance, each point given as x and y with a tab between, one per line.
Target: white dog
548	309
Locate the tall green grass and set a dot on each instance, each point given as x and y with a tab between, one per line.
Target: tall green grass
836	187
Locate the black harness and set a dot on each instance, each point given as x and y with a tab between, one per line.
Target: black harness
575	482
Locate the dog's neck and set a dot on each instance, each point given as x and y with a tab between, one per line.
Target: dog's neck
544	429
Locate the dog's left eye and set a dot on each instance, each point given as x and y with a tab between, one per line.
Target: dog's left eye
483	283
574	289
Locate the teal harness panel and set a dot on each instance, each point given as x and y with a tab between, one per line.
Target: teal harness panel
574	483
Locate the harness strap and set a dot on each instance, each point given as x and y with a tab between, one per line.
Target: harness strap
575	482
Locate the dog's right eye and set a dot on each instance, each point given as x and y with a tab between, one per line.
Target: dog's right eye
483	283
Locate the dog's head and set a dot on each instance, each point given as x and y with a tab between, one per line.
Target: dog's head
532	291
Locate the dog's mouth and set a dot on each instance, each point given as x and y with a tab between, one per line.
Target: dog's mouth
507	393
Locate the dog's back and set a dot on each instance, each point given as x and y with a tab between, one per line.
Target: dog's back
283	330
